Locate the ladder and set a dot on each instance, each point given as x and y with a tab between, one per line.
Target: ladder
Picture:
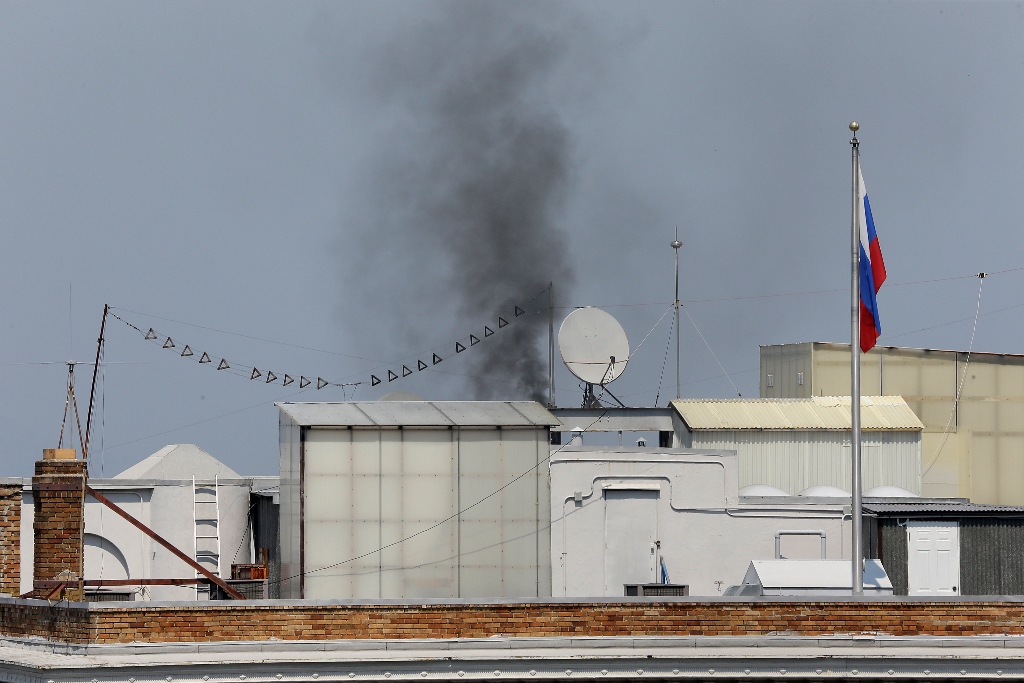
206	522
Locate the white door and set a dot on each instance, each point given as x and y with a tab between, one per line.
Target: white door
630	533
933	558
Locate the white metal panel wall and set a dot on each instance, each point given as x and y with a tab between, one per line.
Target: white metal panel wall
794	460
381	513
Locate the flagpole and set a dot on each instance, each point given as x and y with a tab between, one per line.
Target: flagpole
675	246
857	550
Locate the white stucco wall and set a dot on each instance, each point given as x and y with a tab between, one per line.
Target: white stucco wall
115	549
687	501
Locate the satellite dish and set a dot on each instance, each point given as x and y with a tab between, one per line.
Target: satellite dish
593	345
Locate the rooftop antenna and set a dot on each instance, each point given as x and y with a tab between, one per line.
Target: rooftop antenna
595	349
92	392
675	247
71	418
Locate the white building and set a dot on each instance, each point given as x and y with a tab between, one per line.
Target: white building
182	493
616	512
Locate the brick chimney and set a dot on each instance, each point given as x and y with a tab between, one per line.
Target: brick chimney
10	539
58	491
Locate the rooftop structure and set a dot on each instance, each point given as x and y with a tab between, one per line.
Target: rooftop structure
462	484
970	446
797	444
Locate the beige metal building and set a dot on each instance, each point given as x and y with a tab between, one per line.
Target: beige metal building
971	448
797	444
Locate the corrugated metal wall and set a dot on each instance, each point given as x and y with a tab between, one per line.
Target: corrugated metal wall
892	544
795	460
991	556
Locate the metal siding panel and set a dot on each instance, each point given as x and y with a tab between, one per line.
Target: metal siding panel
992	556
894	554
798	459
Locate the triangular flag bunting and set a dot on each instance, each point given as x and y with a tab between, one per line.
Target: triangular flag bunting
205	358
421	366
288	380
437	359
406	371
321	383
186	351
168	344
488	331
473	341
151	334
223	365
392	376
502	322
374	380
303	382
519	311
270	377
255	373
459	348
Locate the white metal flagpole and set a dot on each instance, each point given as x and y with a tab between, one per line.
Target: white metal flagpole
857	549
675	246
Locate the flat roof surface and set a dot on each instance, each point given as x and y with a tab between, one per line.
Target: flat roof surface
420	414
819	412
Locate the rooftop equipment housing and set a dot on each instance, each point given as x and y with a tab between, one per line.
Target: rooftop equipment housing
796	444
415	499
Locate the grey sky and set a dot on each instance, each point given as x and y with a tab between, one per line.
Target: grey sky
234	167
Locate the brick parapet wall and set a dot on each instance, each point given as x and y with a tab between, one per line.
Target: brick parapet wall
58	531
238	621
10	539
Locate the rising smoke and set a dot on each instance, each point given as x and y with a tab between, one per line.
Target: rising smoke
480	163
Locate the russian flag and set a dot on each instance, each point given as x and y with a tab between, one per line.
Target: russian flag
872	273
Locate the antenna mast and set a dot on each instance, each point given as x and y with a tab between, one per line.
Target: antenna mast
675	246
92	393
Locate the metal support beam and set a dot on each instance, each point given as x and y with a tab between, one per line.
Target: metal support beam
165	543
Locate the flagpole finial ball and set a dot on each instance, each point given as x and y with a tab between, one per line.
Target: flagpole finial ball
854	126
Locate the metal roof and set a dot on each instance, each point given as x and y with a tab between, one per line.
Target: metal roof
420	414
818	412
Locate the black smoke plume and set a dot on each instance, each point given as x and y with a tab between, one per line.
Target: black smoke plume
480	166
